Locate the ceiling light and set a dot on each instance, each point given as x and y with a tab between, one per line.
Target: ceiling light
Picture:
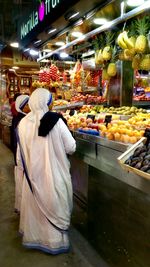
47	50
135	3
89	53
34	52
90	14
59	43
51	31
38	41
77	34
14	44
79	22
99	21
11	70
74	15
3	75
15	67
63	55
26	49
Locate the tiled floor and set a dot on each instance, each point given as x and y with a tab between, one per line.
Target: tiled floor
12	253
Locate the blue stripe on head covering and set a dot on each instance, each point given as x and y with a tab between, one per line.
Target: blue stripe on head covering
50	100
24	103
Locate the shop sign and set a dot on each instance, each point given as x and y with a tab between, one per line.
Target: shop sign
38	16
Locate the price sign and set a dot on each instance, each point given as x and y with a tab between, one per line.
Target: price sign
72	112
108	119
91	116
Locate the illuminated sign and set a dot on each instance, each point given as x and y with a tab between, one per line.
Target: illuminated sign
38	16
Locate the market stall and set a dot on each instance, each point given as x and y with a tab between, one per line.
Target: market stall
94	71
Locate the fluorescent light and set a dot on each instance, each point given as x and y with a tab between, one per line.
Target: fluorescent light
90	15
63	55
74	15
79	22
77	34
135	2
11	70
100	21
89	53
15	68
14	44
37	42
47	50
27	49
51	31
34	52
59	43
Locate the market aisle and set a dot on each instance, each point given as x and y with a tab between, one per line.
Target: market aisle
12	253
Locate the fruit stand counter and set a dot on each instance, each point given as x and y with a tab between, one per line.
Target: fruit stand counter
111	205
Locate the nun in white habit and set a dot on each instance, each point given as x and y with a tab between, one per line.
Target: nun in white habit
46	203
20	104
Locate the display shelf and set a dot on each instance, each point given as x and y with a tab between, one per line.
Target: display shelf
141	103
69	106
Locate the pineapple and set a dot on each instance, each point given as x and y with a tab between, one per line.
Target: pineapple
142	27
98	43
101	45
100	57
136	61
145	63
107	51
112	69
105	75
132	36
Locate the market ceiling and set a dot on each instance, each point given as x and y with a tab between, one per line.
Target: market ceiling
59	17
10	12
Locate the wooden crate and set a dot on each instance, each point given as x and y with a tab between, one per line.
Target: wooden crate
129	153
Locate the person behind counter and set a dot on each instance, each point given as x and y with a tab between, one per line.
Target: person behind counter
46	205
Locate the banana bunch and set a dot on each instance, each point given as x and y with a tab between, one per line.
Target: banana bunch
124	41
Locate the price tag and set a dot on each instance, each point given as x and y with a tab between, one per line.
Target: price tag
108	119
72	112
91	116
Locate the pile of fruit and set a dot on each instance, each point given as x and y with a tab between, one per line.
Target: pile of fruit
117	130
140	158
88	99
135	45
60	102
124	110
140	121
121	131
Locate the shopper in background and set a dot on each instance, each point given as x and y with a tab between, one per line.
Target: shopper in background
46	205
14	114
22	108
13	107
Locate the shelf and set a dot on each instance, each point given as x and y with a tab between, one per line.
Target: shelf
69	106
141	103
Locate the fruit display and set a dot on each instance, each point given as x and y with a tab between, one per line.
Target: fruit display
60	102
124	110
121	131
88	99
140	158
141	120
